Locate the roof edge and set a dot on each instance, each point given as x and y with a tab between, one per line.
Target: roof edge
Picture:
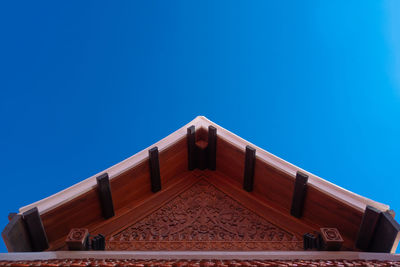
86	185
337	192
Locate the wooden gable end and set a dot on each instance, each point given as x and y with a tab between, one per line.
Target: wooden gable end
203	192
203	217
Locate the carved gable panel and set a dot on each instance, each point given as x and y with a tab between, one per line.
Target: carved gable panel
203	218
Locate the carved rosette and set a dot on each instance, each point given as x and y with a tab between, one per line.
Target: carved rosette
203	218
331	234
76	239
331	238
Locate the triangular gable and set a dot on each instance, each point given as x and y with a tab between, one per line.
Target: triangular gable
203	218
266	186
199	122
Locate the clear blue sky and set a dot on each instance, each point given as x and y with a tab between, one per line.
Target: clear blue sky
84	85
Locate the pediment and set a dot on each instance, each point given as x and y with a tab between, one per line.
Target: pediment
203	218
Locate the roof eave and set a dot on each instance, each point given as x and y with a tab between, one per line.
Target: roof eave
354	200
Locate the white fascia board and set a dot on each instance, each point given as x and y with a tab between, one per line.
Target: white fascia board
86	185
200	255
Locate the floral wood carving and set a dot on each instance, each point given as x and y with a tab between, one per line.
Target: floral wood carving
203	218
77	239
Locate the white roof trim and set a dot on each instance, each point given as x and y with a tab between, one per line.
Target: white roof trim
354	200
86	185
200	255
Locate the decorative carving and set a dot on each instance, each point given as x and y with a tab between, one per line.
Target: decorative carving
203	218
332	238
77	239
331	234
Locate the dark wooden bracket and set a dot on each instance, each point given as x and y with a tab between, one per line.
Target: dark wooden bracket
367	227
299	194
154	163
104	190
36	230
16	235
249	164
385	235
98	242
202	154
212	148
312	241
191	147
326	239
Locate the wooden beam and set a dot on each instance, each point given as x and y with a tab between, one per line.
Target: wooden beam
36	230
191	147
212	148
16	236
154	170
299	194
104	190
249	163
386	235
367	227
201	155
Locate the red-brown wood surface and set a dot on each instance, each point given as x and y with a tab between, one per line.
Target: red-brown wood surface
131	186
76	213
258	205
271	197
137	209
328	212
173	161
283	218
275	187
230	160
140	209
127	189
202	217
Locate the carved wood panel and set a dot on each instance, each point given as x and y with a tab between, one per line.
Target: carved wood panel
203	218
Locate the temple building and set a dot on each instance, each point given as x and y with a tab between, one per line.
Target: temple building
202	196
